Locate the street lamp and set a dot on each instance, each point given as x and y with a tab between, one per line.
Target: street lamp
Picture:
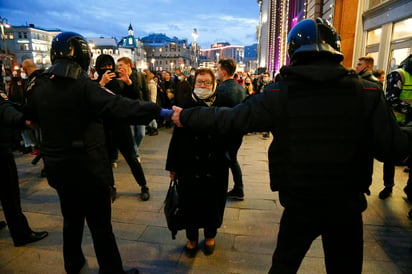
153	63
4	23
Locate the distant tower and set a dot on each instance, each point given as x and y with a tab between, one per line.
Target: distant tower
130	31
194	34
195	49
129	41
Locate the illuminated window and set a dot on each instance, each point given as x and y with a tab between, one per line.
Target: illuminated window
374	36
402	29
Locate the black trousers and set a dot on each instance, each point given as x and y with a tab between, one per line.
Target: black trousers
235	168
341	231
94	206
10	198
123	140
193	233
389	174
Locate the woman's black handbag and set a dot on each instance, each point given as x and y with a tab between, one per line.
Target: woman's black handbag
172	210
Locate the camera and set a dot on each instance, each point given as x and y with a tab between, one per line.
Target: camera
117	74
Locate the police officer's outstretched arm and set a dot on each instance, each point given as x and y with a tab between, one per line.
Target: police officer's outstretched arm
107	104
255	114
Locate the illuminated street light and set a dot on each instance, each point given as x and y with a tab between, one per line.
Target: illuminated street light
153	63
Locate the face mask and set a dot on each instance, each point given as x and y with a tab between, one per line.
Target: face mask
7	78
266	80
180	78
23	75
192	74
203	93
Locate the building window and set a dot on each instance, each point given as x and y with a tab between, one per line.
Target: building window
19	35
374	36
374	3
25	35
398	55
402	29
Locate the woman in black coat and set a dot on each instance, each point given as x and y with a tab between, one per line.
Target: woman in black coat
199	162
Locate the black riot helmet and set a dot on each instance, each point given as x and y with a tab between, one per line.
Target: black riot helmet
70	46
314	36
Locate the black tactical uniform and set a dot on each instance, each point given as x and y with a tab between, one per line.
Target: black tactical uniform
328	125
9	184
69	108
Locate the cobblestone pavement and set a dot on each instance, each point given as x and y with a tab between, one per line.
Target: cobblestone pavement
244	243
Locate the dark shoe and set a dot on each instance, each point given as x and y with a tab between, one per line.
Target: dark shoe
153	132
27	150
191	251
235	193
209	249
3	224
132	271
385	193
33	237
43	173
145	195
408	192
113	193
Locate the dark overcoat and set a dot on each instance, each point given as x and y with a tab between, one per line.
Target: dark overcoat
201	164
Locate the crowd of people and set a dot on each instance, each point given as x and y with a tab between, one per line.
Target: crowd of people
328	124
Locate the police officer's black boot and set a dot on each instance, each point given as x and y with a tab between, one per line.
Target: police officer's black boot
385	193
145	195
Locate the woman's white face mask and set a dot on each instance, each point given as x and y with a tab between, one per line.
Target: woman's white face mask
203	93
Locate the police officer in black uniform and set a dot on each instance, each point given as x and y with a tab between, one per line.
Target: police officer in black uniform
19	228
69	107
328	126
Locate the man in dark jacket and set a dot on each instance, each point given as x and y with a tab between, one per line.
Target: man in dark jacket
69	107
328	126
19	228
118	132
364	68
232	89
